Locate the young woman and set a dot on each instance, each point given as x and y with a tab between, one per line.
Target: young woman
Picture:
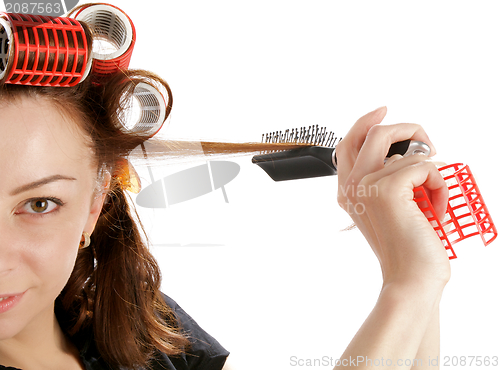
79	288
77	284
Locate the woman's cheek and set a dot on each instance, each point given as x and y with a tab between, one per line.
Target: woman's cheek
52	255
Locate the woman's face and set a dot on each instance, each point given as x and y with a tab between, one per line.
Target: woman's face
47	182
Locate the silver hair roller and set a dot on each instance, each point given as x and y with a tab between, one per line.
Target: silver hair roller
151	107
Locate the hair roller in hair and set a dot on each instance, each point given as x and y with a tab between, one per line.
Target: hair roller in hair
147	111
114	37
41	50
466	213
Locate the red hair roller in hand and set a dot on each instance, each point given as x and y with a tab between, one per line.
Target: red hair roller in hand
466	213
42	50
114	37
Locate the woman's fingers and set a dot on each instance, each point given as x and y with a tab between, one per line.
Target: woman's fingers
378	141
411	172
394	164
360	129
394	158
367	143
360	159
435	185
347	150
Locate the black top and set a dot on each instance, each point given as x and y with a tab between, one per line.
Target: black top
205	352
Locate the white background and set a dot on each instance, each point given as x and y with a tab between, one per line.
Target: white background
273	277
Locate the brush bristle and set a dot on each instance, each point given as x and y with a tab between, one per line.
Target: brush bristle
314	135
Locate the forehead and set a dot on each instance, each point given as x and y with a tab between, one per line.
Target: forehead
36	139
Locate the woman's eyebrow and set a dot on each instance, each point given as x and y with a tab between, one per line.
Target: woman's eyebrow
38	183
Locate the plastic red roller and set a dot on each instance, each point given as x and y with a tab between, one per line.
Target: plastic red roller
42	50
114	37
466	214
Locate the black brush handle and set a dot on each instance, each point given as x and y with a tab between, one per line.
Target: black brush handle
401	147
314	161
404	148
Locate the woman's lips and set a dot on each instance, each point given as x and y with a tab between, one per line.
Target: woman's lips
9	301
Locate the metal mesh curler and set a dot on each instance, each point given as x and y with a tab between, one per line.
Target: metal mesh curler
466	214
114	37
42	50
151	107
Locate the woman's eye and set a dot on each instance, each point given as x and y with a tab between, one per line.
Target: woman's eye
41	206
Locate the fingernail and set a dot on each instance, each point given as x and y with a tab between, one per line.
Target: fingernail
379	109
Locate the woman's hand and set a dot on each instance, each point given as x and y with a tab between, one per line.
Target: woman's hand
379	198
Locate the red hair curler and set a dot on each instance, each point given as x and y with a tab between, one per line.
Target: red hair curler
114	37
42	50
466	214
